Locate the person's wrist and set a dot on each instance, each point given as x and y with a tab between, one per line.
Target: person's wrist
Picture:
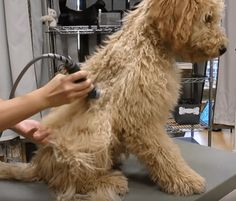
40	98
16	128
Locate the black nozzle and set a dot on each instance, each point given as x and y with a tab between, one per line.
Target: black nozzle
74	67
222	50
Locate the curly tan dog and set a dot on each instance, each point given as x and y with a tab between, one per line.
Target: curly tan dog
140	84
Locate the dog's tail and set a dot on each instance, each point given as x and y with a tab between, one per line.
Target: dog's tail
17	171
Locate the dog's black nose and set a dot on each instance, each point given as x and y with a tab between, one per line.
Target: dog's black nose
222	50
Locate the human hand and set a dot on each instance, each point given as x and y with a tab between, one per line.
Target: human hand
62	89
33	131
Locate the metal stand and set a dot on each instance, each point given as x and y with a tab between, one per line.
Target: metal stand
192	128
49	39
210	119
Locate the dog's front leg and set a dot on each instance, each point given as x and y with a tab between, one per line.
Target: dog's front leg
109	187
163	159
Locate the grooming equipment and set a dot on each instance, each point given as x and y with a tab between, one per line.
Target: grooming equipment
70	66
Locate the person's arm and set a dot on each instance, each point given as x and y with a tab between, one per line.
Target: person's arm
62	89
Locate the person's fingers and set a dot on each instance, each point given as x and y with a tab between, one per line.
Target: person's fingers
38	137
60	77
77	75
83	85
47	137
30	133
76	86
44	141
41	134
82	93
32	130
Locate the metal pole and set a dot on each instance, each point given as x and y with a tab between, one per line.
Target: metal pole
48	38
210	119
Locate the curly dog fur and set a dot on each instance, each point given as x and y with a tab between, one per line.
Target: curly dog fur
140	84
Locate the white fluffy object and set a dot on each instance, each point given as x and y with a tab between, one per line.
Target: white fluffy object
51	18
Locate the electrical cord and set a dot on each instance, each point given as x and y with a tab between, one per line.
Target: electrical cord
70	66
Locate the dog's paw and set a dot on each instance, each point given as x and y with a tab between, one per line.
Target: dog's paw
114	180
122	187
120	183
185	185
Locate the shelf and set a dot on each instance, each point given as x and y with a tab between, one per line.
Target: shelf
102	29
176	130
194	80
172	124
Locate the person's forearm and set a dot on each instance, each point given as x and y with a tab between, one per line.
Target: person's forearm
62	89
15	110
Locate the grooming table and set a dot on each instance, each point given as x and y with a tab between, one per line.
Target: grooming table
218	168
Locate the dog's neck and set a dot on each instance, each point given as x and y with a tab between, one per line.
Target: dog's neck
137	41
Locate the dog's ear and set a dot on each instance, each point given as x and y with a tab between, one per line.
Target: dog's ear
173	19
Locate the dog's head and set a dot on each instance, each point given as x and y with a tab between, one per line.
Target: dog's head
191	28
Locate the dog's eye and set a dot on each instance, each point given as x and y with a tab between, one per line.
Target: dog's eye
208	18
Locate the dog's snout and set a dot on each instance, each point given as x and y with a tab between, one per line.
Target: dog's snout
222	50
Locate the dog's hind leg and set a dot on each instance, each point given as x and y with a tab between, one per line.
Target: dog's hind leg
84	146
163	160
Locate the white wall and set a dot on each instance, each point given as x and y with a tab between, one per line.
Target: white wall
225	105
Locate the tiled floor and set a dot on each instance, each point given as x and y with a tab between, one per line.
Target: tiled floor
220	140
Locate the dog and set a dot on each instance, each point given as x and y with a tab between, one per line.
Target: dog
135	71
